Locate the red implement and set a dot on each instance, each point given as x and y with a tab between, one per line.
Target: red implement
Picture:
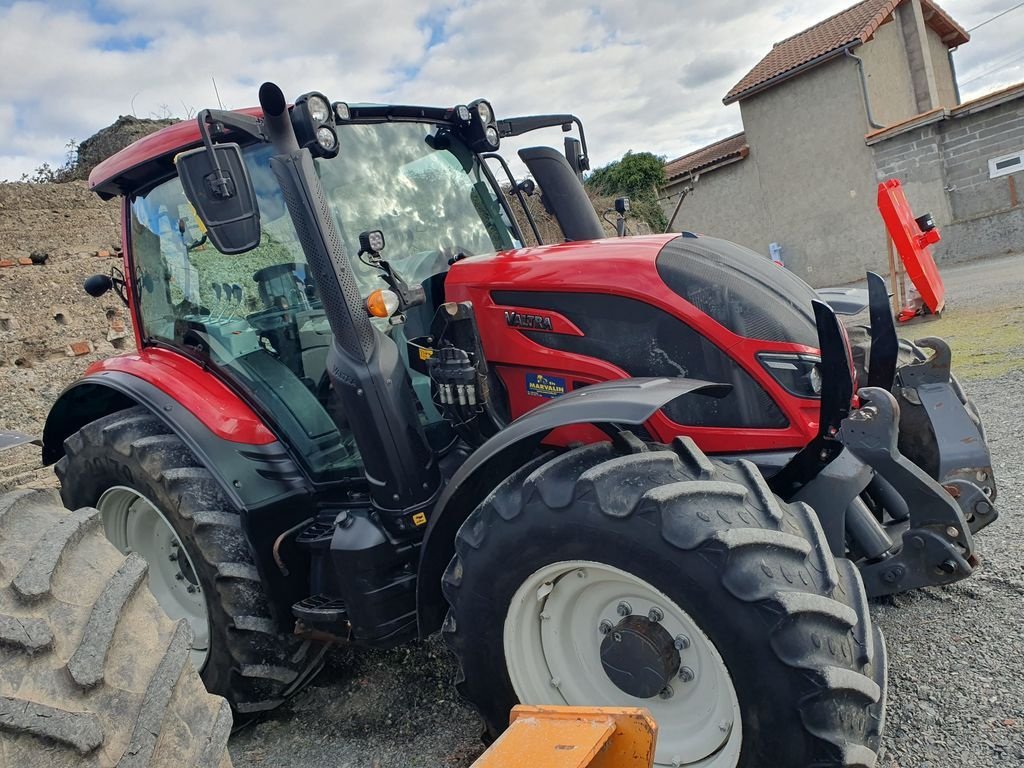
912	237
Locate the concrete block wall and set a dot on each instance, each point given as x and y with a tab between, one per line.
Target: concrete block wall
944	170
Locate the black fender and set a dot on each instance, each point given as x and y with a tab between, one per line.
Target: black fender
622	401
251	476
264	483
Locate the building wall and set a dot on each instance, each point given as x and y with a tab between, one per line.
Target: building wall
944	81
944	170
907	17
808	184
725	202
890	89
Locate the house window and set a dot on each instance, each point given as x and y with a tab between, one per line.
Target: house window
1004	165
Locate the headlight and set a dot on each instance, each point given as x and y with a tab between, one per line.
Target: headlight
484	110
798	374
341	111
371	241
326	138
462	112
816	379
318	108
491	134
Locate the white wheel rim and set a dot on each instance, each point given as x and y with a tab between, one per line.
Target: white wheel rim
553	637
133	523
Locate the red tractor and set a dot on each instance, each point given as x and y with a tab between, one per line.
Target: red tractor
612	472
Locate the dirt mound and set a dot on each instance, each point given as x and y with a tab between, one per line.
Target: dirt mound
105	142
548	227
50	329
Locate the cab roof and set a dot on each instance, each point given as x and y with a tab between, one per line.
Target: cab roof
148	158
152	157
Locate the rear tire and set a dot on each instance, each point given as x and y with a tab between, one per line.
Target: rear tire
789	622
94	673
250	663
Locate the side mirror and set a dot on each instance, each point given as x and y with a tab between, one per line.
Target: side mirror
217	184
97	285
574	154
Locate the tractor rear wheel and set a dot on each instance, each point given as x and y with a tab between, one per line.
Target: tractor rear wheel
636	575
94	673
157	500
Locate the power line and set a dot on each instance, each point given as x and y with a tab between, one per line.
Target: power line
996	68
986	21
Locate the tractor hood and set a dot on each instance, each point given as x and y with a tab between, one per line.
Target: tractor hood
742	291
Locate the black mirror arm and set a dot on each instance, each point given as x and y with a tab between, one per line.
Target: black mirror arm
516	126
221	183
408	296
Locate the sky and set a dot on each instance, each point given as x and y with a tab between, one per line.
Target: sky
647	75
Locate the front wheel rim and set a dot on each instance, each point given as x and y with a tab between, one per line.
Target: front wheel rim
133	523
553	632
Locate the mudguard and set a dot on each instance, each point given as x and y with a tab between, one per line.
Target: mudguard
621	401
253	468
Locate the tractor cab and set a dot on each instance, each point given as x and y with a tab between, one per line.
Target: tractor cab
408	191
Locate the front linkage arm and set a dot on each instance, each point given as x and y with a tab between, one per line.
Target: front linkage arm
937	547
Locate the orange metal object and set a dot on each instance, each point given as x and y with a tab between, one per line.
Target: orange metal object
574	737
912	244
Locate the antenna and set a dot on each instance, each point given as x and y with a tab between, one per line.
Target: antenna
220	104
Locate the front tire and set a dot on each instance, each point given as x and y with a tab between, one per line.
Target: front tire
779	662
145	479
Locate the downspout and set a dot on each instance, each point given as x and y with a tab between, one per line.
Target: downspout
952	72
864	87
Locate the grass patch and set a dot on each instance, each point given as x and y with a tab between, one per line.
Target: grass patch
986	342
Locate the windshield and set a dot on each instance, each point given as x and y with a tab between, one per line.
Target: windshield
422	187
258	317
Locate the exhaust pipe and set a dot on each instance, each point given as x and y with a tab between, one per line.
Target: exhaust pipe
276	120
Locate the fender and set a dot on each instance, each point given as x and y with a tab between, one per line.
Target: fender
621	401
252	467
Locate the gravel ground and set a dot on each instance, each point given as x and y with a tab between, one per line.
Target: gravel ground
956	654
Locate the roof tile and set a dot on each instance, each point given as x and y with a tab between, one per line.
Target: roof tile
854	25
733	146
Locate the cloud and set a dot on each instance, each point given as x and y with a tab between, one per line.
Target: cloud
708	68
643	76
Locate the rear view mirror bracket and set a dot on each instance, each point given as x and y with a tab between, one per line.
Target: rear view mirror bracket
216	182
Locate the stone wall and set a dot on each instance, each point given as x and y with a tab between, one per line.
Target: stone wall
944	169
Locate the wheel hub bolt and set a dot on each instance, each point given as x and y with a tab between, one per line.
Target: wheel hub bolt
666	692
682	642
605	627
179	576
173	556
624	609
655	615
685	674
191	589
952	531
